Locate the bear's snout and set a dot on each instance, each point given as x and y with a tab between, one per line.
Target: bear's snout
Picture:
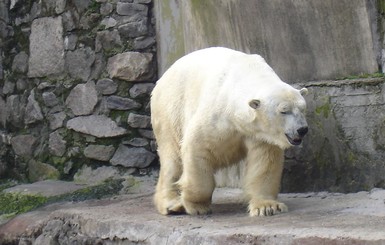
302	131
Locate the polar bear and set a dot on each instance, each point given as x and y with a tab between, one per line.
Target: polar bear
214	108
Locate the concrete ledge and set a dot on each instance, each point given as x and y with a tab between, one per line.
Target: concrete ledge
314	218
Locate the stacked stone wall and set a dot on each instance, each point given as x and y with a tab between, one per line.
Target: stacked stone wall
75	78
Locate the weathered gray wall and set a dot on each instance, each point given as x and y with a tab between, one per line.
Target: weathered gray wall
304	41
301	40
344	150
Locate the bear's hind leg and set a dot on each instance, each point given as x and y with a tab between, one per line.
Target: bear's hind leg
167	195
263	177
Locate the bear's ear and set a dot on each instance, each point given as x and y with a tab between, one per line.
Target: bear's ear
303	91
254	104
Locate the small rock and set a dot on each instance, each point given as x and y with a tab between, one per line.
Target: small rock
108	22
79	62
120	103
137	142
141	89
138	121
108	41
60	6
32	111
70	42
97	125
23	145
99	152
56	120
38	171
149	134
106	86
14	110
132	157
82	99
106	8
56	144
131	9
131	66
134	29
21	84
9	87
143	42
20	62
50	99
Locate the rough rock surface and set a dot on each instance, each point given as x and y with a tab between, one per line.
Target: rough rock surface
131	66
98	126
313	218
132	157
23	144
46	59
99	152
82	99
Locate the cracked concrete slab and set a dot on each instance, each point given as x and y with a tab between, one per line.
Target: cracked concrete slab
313	218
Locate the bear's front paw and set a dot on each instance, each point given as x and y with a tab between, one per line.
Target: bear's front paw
170	204
266	207
197	208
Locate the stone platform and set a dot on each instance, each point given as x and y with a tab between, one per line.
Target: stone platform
313	218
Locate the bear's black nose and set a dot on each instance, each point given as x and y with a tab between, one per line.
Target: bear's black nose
302	131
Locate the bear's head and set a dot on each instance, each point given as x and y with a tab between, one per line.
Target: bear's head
279	116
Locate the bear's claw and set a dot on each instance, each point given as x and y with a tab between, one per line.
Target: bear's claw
266	208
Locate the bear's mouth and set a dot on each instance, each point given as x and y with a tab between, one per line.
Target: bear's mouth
294	141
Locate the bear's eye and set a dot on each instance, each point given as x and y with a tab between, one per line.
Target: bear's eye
285	112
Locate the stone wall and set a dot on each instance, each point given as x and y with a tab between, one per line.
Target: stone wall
75	78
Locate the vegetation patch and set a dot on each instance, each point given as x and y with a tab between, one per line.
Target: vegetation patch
16	203
12	204
323	110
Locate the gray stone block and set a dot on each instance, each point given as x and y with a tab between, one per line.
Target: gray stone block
131	66
98	126
106	86
8	87
79	62
137	142
138	121
82	99
132	157
120	103
56	120
108	41
23	145
33	112
50	99
99	152
14	110
56	144
134	29
20	62
131	9
141	89
46	47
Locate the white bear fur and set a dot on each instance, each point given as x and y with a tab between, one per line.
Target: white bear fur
215	108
